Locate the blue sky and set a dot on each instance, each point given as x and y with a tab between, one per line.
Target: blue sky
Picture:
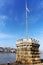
13	21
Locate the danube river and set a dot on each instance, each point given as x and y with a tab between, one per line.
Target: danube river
8	57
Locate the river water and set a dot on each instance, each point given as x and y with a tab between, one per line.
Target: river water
9	57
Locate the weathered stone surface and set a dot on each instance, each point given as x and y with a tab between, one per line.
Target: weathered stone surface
28	51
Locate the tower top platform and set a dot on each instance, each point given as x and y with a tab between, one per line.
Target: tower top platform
29	40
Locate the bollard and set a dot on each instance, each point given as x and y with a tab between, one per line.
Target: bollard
8	63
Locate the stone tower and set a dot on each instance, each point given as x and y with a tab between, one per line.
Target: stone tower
27	51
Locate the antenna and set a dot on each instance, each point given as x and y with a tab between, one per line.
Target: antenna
27	10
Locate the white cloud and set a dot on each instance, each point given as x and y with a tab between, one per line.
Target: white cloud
1	3
3	19
16	18
40	5
9	36
2	35
5	2
35	18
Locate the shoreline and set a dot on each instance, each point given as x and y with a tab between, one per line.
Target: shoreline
14	63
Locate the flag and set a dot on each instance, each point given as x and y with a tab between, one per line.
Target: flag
27	8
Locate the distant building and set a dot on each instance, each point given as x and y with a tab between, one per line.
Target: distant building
1	49
6	49
28	51
12	50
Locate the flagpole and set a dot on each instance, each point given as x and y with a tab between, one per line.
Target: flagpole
27	10
26	22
